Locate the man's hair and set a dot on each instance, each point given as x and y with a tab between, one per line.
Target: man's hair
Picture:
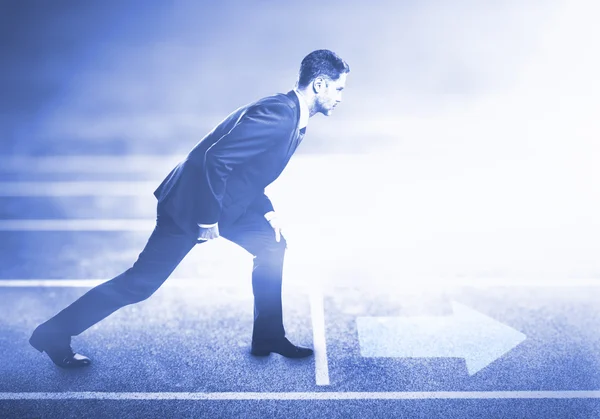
321	62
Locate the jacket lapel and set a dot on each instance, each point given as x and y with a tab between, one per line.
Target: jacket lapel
296	105
297	135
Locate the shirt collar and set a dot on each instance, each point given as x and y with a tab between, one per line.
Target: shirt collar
304	111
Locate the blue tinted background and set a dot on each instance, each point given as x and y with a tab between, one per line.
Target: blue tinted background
81	77
466	148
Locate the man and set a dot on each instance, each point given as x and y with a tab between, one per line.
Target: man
218	190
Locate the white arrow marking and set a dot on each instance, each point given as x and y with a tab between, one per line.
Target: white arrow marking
467	334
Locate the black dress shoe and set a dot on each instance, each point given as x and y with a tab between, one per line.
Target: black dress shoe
58	348
281	346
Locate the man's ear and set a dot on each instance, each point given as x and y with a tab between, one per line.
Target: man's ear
318	84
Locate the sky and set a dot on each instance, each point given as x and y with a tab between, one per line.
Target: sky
476	121
166	73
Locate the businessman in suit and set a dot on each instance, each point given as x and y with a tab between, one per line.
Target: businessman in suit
218	190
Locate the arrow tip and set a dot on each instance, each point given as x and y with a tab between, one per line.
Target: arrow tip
485	339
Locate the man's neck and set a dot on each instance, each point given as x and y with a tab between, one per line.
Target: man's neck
309	99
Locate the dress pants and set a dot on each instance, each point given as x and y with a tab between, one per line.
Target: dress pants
167	246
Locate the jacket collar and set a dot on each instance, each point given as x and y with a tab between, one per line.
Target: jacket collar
304	111
295	104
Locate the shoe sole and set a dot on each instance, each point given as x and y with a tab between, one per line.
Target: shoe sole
267	353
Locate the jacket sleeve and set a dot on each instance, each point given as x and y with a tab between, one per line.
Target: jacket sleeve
257	131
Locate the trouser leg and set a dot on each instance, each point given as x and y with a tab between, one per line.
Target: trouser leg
165	249
255	235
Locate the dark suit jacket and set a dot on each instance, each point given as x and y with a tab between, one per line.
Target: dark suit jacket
228	170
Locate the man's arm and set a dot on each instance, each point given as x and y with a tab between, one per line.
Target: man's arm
262	204
257	131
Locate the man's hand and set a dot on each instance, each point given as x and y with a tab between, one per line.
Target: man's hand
208	232
271	217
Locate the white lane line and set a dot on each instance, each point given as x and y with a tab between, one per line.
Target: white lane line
78	188
417	282
186	283
171	282
314	300
323	395
78	225
129	163
317	312
89	163
88	283
48	283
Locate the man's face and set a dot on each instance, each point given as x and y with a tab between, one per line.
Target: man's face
329	93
